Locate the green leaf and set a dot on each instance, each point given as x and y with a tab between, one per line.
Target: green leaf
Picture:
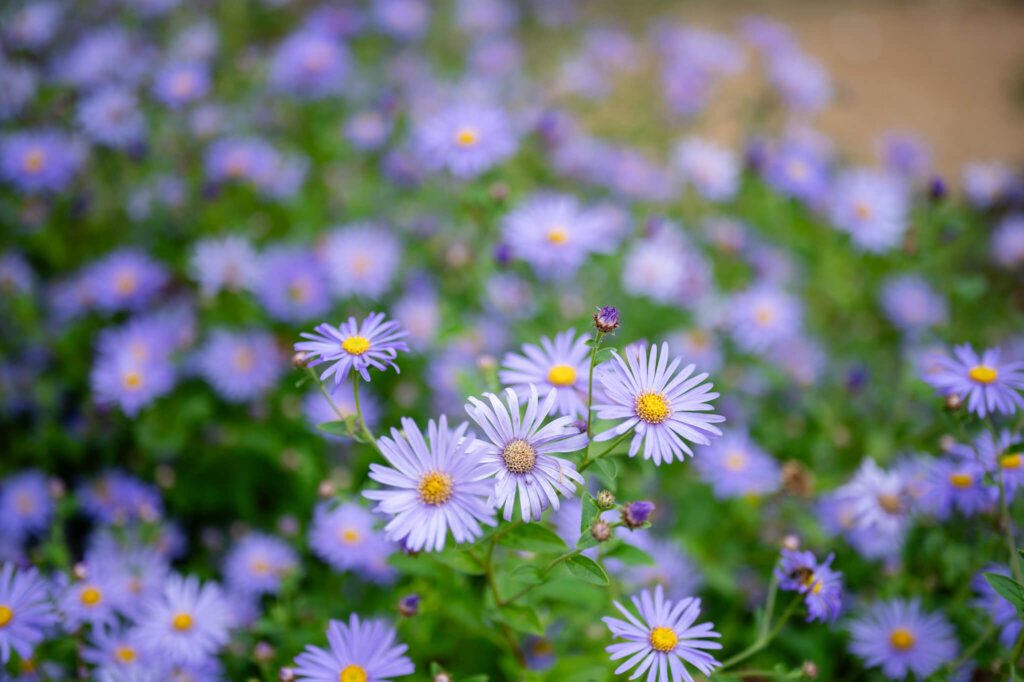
590	512
586	540
607	469
460	561
587	570
628	554
338	428
521	617
475	678
527	574
1008	588
301	382
533	537
435	669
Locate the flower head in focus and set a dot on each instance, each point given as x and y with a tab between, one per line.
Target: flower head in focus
354	346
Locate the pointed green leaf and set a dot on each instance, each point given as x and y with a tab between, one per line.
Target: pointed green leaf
590	512
587	570
336	428
521	617
1008	588
527	574
608	470
533	537
628	554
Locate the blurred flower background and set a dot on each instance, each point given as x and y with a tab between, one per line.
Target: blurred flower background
354	341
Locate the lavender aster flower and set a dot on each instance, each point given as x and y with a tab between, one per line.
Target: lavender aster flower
762	316
292	286
345	538
111	116
361	260
872	207
432	487
798	171
237	158
904	153
1003	613
1007	242
872	510
91	600
354	346
187	623
735	466
309	64
122	379
465	139
663	639
559	367
362	651
180	84
665	408
25	612
801	80
712	170
552	232
117	651
240	365
899	637
1002	453
821	586
34	24
987	183
912	304
518	452
257	564
226	263
402	19
25	505
985	384
126	279
39	160
956	482
115	497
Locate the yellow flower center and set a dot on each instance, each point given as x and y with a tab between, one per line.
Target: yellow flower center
652	407
182	621
244	359
360	264
1011	461
24	503
961	480
664	639
862	210
318	57
183	84
299	291
736	461
124	283
797	169
34	161
562	375
91	596
352	673
764	315
558	235
125	654
6	615
901	639
983	374
132	380
519	456
808	580
348	536
466	137
260	566
435	487
355	345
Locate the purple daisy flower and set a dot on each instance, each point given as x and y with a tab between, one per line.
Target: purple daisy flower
126	279
179	84
187	623
711	169
762	316
237	158
16	275
1007	242
665	408
419	311
345	538
119	378
956	482
519	452
821	586
291	285
361	260
25	611
912	304
309	64
362	651
368	130
257	563
1003	452
873	509
240	365
798	171
872	207
354	346
466	139
559	367
34	24
552	232
663	639
25	505
904	153
115	497
226	263
984	383
899	637
802	81
91	600
987	183
117	651
135	572
431	487
402	19
39	160
1003	613
111	116
735	466
666	268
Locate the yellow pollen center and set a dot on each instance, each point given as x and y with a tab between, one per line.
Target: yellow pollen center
125	654
863	211
797	169
352	673
244	360
558	235
736	461
260	567
890	503
466	137
519	456
298	291
652	407
124	284
355	345
562	375
763	315
132	380
25	503
348	536
6	615
901	639
983	374
182	84
361	264
34	161
961	480
664	639
182	621
318	57
435	487
91	596
1010	461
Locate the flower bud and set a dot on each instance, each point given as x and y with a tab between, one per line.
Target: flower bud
441	677
299	360
409	605
498	191
56	488
797	480
791	542
636	513
325	489
601	531
285	675
937	189
606	319
809	670
953	402
605	499
263	652
80	571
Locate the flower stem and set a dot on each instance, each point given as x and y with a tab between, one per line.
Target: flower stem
969	651
1018	649
587	462
590	387
327	395
359	412
547	569
763	639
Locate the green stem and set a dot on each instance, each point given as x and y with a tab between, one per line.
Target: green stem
1018	649
969	651
1007	521
547	569
492	583
590	389
587	462
769	608
323	389
359	412
763	640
